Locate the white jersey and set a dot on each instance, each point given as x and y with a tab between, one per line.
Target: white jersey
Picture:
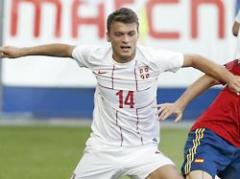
125	94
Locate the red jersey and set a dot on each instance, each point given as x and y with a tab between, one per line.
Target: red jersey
223	115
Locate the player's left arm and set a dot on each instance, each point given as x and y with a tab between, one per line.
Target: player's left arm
212	69
194	90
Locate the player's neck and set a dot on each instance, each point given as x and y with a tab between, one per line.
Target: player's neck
120	59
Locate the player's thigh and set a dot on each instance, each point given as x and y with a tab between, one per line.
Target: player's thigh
232	171
206	151
198	174
143	161
199	155
165	172
96	165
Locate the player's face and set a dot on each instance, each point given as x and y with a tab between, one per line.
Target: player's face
123	38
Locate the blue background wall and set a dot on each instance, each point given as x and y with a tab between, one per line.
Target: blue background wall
78	102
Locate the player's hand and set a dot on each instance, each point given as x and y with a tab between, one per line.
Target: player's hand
10	52
167	109
234	84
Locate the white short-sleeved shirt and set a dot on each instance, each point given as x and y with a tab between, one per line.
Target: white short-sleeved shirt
237	18
125	94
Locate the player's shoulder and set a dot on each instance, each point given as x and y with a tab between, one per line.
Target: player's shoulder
147	52
93	48
233	66
101	53
92	51
232	63
152	48
146	49
151	53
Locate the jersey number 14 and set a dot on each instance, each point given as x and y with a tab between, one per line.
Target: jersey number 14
128	101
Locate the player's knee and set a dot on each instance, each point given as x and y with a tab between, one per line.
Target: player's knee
198	174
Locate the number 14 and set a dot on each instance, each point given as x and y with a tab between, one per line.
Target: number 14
129	100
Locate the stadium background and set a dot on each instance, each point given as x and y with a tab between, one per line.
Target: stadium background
35	88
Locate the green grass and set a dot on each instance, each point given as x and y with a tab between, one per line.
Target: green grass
52	152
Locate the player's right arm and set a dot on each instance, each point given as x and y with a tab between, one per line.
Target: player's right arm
55	50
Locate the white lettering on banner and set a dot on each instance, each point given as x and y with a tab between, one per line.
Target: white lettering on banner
192	26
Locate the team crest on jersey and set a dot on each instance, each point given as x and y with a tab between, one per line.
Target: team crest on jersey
144	72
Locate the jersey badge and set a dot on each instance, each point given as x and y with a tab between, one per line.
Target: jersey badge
144	72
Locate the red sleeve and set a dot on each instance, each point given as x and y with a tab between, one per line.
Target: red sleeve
230	65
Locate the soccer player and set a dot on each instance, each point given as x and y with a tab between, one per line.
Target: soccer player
125	129
213	143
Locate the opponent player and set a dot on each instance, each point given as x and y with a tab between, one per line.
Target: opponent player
125	130
213	144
